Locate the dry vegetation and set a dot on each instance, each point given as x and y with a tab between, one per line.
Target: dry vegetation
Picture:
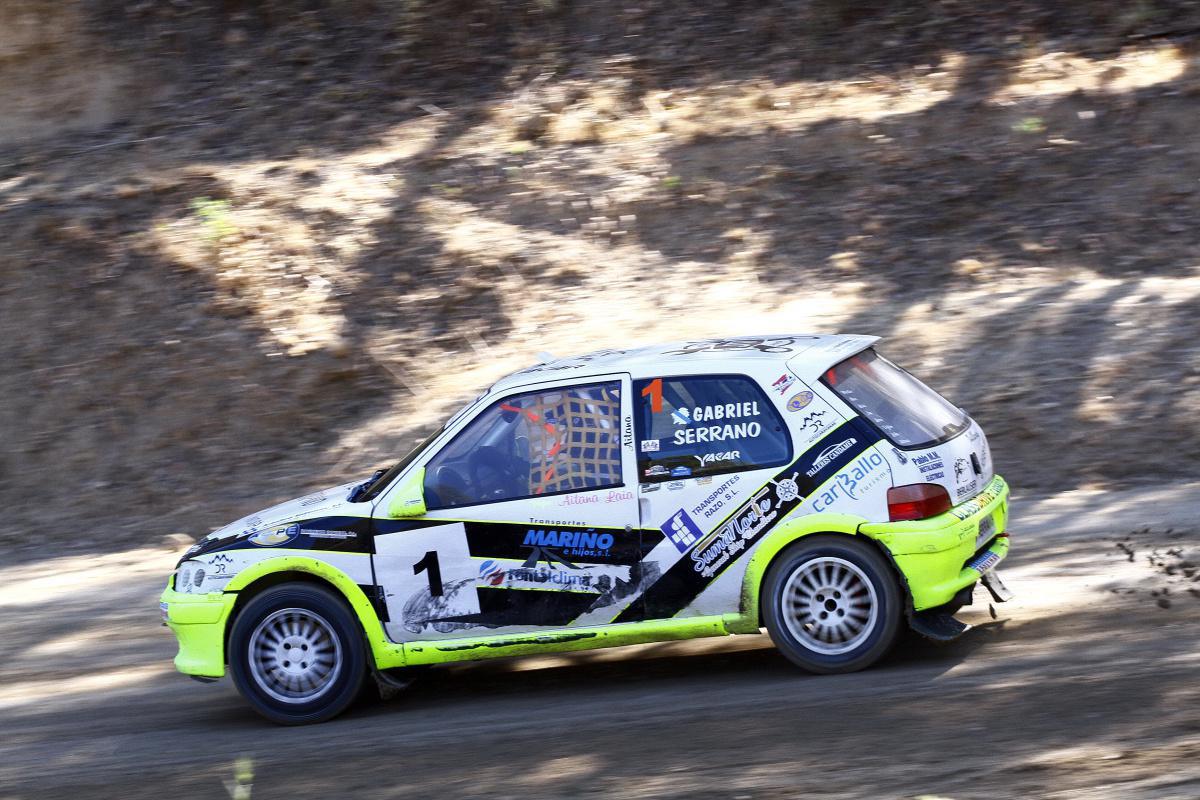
288	236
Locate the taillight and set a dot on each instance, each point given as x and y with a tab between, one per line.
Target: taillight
917	501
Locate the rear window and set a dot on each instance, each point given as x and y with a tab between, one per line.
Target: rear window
907	411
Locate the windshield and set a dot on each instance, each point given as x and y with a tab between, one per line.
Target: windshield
372	488
371	491
907	411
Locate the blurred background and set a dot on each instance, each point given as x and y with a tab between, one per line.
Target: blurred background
249	249
256	248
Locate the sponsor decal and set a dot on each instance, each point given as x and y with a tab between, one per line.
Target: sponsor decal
276	537
717	499
650	487
681	416
322	534
960	468
799	401
558	578
966	489
743	523
828	455
681	472
649	445
931	465
708	459
681	530
783	383
220	564
985	561
555	521
787	490
491	573
854	481
814	422
721	546
674	486
572	543
312	499
704	481
986	498
771	344
657	470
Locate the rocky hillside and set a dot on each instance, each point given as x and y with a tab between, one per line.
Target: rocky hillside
254	248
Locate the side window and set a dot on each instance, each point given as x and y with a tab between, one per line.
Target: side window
544	442
706	425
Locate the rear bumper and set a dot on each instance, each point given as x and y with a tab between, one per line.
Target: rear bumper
198	622
939	557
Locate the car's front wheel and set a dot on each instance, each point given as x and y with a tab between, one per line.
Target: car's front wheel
832	604
297	655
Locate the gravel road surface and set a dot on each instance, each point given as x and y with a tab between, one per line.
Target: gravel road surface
1086	685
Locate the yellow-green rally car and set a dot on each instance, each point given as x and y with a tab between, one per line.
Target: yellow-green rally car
800	483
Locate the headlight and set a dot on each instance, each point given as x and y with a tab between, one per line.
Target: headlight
183	578
197	577
190	576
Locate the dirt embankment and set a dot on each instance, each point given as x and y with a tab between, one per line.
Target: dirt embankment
297	233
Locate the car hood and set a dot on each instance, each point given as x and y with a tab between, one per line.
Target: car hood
327	502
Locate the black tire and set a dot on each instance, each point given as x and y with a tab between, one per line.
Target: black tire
284	619
811	569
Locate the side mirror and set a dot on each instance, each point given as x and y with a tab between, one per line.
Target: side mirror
408	499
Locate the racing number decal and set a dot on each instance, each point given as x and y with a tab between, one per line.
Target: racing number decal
430	563
654	391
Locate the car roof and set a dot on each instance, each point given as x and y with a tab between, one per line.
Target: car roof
806	354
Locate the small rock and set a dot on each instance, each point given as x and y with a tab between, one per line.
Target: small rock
532	125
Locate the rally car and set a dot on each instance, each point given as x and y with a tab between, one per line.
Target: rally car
803	484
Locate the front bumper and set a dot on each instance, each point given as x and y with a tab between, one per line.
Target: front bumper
940	556
198	622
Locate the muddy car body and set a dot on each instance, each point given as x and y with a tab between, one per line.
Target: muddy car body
799	483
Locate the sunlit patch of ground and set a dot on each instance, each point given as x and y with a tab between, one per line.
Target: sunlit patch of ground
1055	74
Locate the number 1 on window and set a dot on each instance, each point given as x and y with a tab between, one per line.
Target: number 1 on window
654	390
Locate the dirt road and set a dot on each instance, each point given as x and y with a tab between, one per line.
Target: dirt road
1085	686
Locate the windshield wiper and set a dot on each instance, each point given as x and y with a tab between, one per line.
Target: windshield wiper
365	487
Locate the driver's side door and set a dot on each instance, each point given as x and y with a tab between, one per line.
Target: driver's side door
531	520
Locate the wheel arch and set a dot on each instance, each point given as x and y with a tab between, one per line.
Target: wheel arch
257	578
786	534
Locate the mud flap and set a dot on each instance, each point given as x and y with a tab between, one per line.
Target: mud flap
937	625
393	682
1000	593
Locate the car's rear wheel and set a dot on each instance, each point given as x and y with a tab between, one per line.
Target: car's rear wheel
296	654
832	604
